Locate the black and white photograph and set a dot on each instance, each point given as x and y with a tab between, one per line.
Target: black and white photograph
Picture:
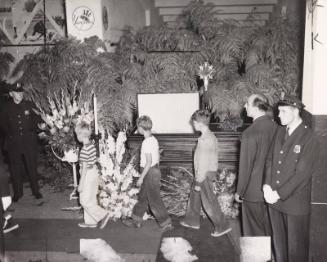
163	130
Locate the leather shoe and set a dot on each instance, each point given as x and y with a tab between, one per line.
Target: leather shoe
38	196
16	198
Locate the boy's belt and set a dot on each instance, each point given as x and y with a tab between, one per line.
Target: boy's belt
156	165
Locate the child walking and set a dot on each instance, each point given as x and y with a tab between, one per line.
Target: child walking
89	182
149	180
205	167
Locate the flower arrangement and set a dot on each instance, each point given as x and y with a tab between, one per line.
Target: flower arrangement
176	188
59	122
118	192
206	72
225	189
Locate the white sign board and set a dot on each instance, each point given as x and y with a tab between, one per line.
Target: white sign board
170	113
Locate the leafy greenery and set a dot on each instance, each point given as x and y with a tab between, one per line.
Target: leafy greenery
247	59
55	173
6	59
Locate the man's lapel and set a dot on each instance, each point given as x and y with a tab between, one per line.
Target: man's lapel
293	138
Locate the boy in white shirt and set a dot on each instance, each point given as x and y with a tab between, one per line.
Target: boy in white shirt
149	180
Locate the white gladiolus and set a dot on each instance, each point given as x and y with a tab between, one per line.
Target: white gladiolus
70	111
55	113
59	124
42	126
111	144
103	194
126	184
112	187
133	192
120	146
74	108
135	173
121	196
62	111
48	120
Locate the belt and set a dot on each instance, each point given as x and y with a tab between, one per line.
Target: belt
156	165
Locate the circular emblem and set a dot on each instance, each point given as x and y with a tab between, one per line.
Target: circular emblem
83	18
105	18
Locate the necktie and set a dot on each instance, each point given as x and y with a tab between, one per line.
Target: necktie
287	133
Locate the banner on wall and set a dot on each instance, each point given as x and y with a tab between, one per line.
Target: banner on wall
87	18
31	21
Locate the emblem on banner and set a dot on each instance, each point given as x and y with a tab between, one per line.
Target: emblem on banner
83	18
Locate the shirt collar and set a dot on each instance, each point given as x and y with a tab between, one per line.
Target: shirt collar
291	129
264	117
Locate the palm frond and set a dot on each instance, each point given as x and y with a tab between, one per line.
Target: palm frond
6	59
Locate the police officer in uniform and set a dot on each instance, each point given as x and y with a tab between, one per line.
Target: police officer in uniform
19	125
255	143
290	165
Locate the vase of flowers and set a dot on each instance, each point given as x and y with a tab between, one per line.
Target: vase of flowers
118	191
176	189
206	72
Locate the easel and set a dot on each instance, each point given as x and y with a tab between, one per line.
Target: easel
71	158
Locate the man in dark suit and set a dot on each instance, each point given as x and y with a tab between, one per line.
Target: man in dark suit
255	144
19	125
290	165
4	204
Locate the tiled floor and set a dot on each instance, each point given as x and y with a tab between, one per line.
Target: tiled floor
47	233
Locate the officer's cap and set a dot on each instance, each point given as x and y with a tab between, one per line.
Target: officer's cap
290	100
16	87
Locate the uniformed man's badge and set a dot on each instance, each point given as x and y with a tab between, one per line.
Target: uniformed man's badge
27	112
297	149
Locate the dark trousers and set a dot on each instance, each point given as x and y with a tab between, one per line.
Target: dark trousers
290	236
149	196
255	219
19	163
207	198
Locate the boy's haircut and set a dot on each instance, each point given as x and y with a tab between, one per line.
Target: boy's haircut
202	116
260	101
145	122
83	126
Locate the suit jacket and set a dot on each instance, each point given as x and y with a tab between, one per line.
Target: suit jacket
255	143
18	122
289	168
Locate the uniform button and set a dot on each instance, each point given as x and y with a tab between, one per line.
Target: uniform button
277	182
19	122
278	172
279	162
18	116
282	152
305	126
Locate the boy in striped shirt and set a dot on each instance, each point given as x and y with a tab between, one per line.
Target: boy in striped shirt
89	182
